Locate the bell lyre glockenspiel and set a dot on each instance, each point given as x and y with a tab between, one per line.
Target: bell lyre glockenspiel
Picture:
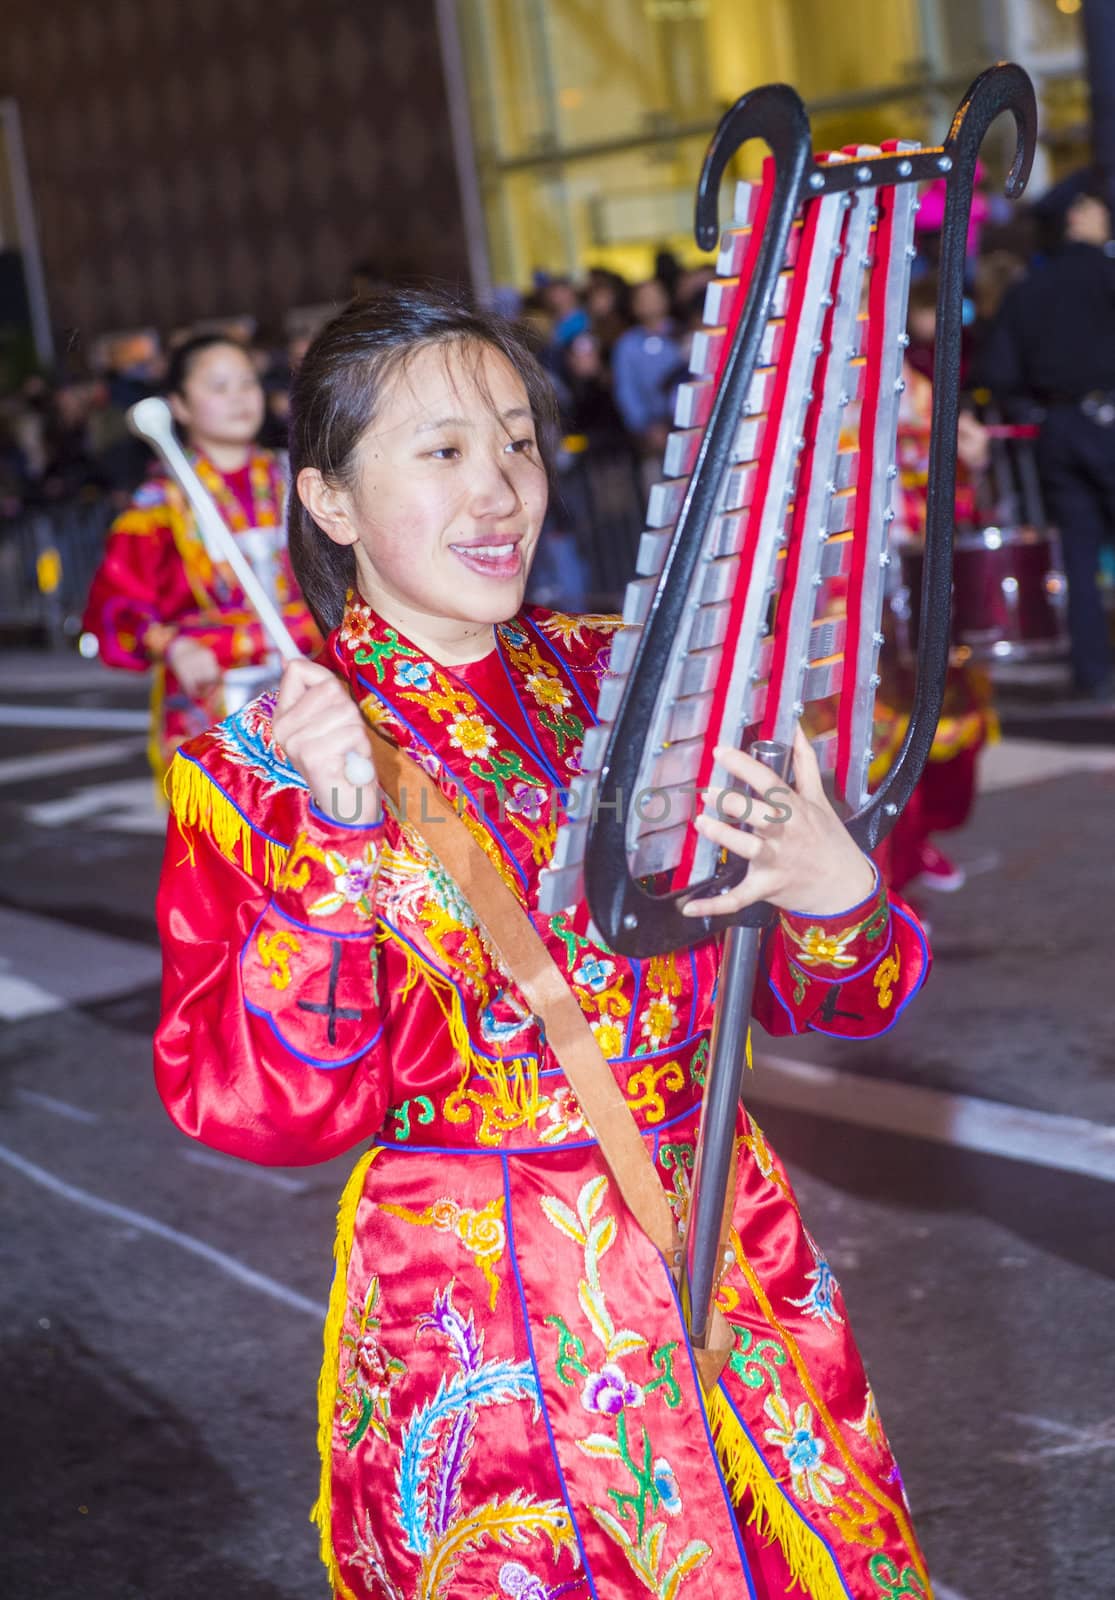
760	578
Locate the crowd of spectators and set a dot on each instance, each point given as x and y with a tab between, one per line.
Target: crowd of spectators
616	351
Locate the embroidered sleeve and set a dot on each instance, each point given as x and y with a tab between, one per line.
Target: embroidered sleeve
129	591
851	974
271	1042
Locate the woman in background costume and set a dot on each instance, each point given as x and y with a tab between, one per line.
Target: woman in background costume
945	795
509	1404
157	600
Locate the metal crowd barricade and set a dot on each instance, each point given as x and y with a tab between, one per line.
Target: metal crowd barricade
48	555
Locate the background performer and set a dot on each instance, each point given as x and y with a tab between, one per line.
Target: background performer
157	599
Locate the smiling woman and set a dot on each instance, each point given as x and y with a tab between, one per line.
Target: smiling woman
506	1363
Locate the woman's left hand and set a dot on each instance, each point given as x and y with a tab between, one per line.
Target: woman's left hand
801	856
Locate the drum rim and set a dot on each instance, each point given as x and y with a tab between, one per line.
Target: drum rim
1024	534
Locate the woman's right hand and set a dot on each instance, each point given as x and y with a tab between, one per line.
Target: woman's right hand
317	722
194	665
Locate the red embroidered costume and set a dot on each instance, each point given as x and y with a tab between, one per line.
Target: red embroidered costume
155	570
946	793
509	1406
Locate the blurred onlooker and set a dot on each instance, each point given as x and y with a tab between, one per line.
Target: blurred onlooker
645	365
568	317
1053	342
608	303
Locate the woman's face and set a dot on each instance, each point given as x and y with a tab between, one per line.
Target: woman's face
222	400
448	494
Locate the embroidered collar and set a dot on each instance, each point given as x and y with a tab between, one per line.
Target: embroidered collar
505	734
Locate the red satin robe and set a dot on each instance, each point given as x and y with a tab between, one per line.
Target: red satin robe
509	1404
155	570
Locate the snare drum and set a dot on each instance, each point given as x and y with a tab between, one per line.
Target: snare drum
239	685
1009	594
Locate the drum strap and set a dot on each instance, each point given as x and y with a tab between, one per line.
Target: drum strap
564	1024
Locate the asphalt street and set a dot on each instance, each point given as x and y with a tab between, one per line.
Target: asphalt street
160	1305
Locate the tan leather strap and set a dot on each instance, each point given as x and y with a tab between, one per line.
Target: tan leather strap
437	822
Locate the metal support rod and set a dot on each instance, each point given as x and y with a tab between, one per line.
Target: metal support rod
716	1140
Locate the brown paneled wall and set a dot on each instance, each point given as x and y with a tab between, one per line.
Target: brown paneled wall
194	158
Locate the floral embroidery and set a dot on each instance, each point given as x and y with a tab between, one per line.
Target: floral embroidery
819	946
659	1022
594	973
570	630
413	674
819	1302
756	1362
548	691
609	1036
609	1393
563	1113
811	1475
667	1486
481	1232
471	735
364	1393
353	883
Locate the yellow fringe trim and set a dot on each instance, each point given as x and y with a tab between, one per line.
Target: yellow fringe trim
327	1383
197	802
772	1515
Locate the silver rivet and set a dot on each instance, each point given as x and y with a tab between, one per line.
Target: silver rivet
875	680
728	1258
816	180
890	809
904	341
905	168
944	163
863	174
631	920
799	707
878	640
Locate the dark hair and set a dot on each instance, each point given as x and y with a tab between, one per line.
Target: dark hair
184	356
337	391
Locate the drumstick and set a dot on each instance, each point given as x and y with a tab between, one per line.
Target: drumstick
151	419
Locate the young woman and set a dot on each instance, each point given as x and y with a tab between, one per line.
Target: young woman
509	1405
157	599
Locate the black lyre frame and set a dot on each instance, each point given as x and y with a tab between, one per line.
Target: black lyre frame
633	920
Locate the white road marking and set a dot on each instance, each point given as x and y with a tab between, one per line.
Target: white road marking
60	1108
1067	1144
72	717
125	805
52	763
21	997
941	1591
79	965
1087	1440
229	1265
244	1169
1013	762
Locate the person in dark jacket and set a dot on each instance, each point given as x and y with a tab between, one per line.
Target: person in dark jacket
1053	343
